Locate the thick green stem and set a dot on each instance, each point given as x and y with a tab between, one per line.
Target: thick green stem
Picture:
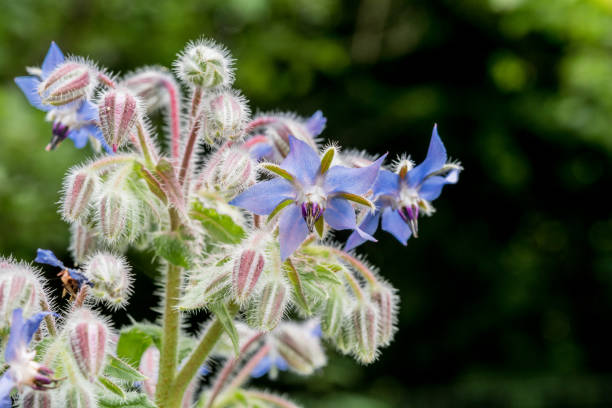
195	360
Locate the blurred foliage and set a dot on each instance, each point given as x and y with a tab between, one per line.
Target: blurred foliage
507	296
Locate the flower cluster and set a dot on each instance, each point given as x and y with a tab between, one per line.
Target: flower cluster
239	213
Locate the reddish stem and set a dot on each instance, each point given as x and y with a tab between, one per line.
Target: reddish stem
248	367
193	136
175	120
106	80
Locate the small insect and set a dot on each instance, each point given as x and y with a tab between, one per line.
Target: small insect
71	285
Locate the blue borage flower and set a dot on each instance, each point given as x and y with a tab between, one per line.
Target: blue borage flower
309	191
46	256
23	370
401	196
76	121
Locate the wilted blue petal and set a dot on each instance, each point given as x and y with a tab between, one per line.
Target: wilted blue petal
281	363
316	123
45	256
432	187
436	158
302	161
29	87
263	197
262	367
97	134
87	112
393	223
368	225
261	150
7	383
387	183
340	179
292	230
79	136
31	325
52	60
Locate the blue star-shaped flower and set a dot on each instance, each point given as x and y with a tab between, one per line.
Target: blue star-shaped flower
76	121
46	256
399	197
308	191
23	370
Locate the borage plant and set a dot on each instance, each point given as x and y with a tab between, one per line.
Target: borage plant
244	234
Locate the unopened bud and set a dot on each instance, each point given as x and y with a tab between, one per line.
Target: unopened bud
246	273
149	367
333	315
36	399
111	278
84	241
79	187
301	350
345	340
79	397
228	113
230	171
113	213
149	86
118	116
19	288
205	64
270	307
69	82
385	301
365	322
279	130
88	337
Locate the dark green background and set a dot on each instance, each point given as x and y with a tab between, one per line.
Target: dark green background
507	294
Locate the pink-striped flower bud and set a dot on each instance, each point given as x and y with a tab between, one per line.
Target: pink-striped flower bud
19	288
37	399
269	308
232	172
365	324
84	241
149	367
113	213
79	396
150	86
300	348
227	115
279	130
119	114
385	300
69	82
88	337
247	269
111	278
205	64
79	187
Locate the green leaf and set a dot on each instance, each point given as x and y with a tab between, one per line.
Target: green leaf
279	171
131	400
111	386
172	247
221	227
326	160
135	339
294	278
121	370
226	319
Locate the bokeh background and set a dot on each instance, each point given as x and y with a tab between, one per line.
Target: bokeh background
507	294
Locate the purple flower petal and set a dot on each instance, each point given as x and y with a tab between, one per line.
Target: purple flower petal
52	60
260	151
7	383
302	161
292	230
97	134
340	179
432	187
369	225
316	123
31	325
393	223
87	112
46	256
387	183
29	87
263	197
21	332
281	363
436	158
79	136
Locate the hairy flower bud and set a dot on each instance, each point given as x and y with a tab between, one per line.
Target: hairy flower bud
111	278
149	85
69	82
279	130
88	336
118	116
36	399
149	367
79	397
270	307
205	64
385	300
19	288
113	213
365	324
333	314
227	115
79	186
247	270
84	241
301	350
230	171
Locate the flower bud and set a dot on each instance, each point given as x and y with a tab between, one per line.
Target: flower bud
84	241
111	278
345	340
79	397
365	322
205	64
279	130
246	273
385	301
270	307
36	399
301	350
113	213
69	82
227	115
118	116
149	367
79	187
149	86
19	288
88	337
333	314
231	172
